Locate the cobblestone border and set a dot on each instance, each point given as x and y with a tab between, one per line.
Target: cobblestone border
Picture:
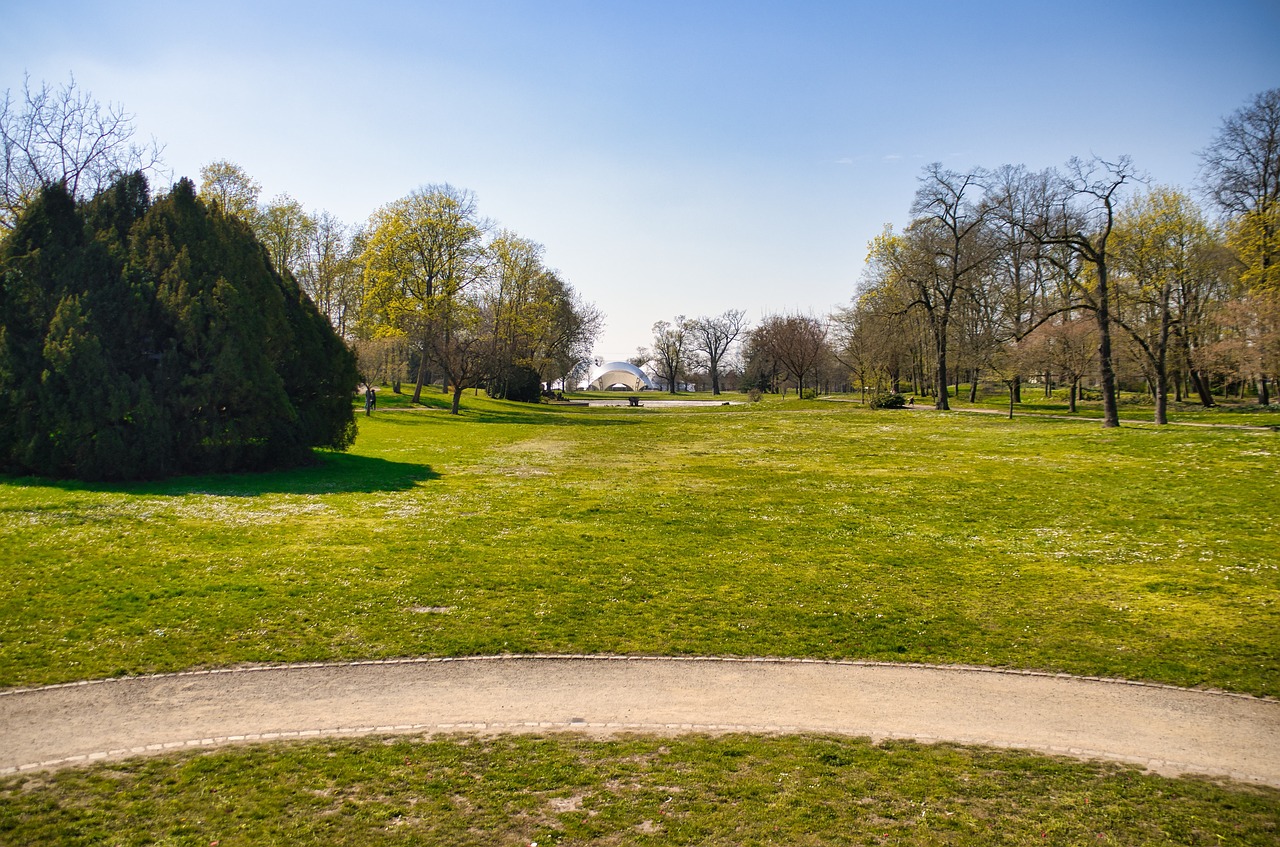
589	657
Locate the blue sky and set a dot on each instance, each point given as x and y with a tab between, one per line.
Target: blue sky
674	158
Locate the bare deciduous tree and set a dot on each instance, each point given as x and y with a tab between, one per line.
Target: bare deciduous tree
712	338
54	135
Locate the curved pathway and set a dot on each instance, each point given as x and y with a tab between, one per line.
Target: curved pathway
1166	729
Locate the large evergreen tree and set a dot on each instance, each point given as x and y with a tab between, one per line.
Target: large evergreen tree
140	340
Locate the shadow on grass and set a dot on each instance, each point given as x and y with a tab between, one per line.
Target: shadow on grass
332	473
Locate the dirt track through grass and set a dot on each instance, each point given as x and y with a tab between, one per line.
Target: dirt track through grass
1167	730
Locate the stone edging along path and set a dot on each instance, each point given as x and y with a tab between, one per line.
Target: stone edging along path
1163	728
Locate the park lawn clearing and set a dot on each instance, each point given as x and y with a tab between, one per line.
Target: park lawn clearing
523	790
792	528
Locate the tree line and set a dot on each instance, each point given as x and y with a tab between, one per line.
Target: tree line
1087	277
1084	273
428	289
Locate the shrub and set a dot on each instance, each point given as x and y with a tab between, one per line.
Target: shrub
516	382
884	400
809	394
754	395
142	340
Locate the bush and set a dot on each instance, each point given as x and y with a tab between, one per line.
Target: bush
754	395
142	340
516	382
809	394
884	400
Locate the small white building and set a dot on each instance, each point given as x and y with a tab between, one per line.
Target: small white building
619	373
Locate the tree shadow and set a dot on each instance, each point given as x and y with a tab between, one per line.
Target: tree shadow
332	473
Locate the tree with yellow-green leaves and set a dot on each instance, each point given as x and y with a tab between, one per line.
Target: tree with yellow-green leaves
1168	275
541	328
423	253
231	188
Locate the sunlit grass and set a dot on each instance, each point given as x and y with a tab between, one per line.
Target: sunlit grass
780	529
568	790
1133	408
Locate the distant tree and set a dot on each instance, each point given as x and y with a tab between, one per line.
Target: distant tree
1241	173
330	272
1066	346
231	188
63	135
459	339
1165	253
285	229
1078	215
382	361
672	346
1021	289
796	342
712	337
941	256
422	252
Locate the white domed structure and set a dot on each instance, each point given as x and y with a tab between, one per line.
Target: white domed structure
619	373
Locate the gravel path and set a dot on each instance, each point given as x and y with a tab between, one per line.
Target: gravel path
1168	730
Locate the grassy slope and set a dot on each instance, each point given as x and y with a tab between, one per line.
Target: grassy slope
786	529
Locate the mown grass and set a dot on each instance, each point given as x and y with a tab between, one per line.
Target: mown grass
734	790
779	529
1134	408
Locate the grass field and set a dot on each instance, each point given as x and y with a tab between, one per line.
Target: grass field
775	529
783	528
1133	408
734	790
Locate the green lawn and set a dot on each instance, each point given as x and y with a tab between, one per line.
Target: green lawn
1133	408
777	529
733	790
783	528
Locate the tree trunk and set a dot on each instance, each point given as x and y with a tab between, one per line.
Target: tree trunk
422	374
1075	392
940	341
1017	388
1162	359
1201	384
1162	398
1106	368
1264	393
973	387
457	399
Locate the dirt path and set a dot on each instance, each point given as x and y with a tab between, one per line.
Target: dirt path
1165	729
